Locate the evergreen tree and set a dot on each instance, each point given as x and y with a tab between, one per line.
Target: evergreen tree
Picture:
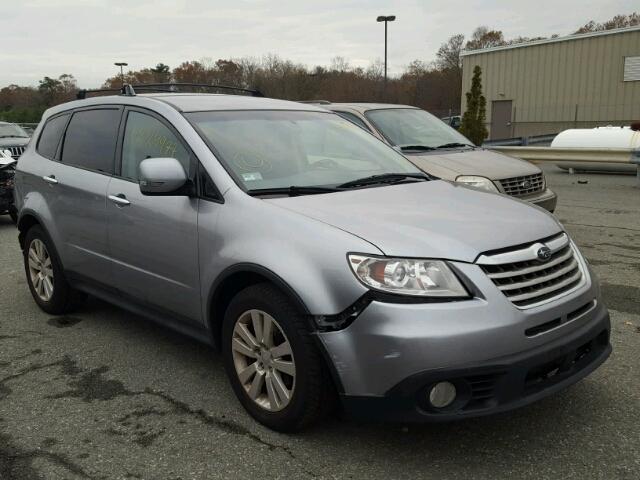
473	121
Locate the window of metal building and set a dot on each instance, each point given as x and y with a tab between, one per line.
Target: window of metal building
631	69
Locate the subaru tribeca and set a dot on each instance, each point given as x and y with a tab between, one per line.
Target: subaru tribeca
320	261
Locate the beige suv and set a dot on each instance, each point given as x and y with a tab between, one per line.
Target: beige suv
439	150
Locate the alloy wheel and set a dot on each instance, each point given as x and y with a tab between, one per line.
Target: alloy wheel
263	360
40	270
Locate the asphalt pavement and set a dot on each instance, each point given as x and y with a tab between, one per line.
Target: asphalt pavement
103	394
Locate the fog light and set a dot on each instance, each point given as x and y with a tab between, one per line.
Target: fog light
442	394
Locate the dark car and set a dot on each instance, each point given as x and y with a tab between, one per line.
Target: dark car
13	141
7	173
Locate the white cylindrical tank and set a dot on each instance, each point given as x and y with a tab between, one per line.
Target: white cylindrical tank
599	137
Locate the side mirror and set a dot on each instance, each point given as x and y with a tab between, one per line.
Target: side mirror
161	176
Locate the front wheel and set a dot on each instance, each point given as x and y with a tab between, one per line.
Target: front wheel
272	362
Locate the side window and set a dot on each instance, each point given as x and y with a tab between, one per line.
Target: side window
354	119
90	141
51	135
147	137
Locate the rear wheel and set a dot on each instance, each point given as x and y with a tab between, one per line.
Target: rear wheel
45	276
13	214
272	362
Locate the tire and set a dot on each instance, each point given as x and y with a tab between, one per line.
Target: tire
312	392
61	298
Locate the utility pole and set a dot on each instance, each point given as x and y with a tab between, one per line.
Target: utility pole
121	65
386	19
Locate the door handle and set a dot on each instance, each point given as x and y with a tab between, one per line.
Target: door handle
120	200
51	179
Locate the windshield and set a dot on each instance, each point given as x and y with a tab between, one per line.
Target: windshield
414	127
278	149
11	130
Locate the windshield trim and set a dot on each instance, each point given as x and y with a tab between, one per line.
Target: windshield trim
235	177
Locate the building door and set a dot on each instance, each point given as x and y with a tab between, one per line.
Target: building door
501	119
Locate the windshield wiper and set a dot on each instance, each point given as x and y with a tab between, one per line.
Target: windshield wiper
383	178
425	148
455	145
292	191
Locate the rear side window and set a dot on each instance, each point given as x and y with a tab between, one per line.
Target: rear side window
51	135
90	141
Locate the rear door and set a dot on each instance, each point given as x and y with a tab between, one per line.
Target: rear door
77	188
154	239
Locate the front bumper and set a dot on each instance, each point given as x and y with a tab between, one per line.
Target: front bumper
546	199
385	361
494	386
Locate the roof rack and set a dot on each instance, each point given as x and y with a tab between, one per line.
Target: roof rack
317	102
130	90
126	89
179	87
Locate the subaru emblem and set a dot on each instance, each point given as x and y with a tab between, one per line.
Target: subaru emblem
544	253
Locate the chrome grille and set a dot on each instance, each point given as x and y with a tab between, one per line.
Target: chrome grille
521	186
527	280
15	151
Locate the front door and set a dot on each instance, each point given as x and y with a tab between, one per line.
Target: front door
153	240
501	119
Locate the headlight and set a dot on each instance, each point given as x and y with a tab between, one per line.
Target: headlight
421	278
480	183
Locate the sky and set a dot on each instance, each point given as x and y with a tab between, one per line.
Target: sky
85	37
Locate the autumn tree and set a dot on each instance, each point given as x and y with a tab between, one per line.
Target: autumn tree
482	37
619	21
473	121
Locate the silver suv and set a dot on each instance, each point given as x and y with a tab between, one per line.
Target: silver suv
436	148
319	260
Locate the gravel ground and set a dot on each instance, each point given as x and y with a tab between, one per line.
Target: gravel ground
103	394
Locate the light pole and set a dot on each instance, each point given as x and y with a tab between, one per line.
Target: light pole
121	65
386	19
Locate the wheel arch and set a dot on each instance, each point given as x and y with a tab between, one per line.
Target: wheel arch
27	220
235	279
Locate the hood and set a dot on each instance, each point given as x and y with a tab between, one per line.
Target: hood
13	142
486	163
435	219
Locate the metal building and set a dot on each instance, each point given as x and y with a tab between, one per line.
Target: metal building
547	86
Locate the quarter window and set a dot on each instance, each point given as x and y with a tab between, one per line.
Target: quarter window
51	135
90	141
353	119
147	137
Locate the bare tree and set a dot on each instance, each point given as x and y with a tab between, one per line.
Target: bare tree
448	55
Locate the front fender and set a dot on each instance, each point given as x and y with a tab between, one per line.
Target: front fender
310	257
